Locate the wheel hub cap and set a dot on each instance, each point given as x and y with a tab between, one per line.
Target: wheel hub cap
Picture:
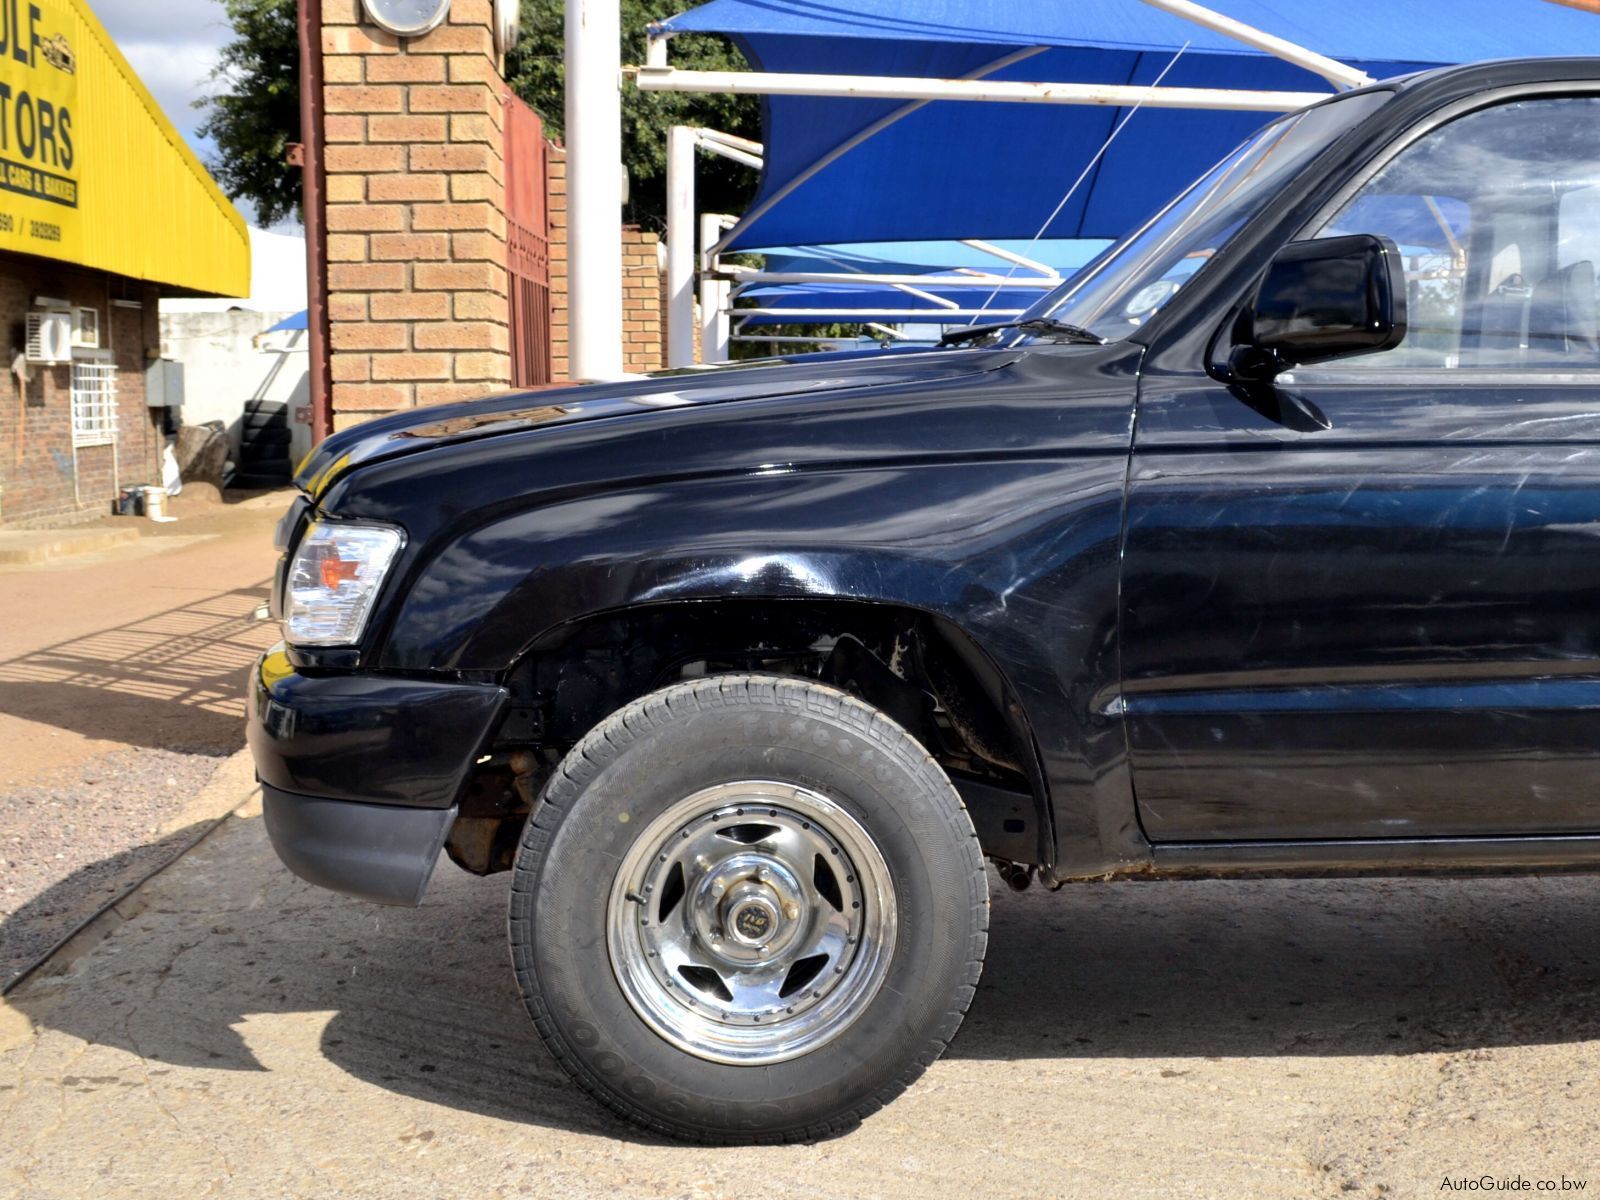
752	915
751	922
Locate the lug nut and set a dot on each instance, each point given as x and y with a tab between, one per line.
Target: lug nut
792	911
717	889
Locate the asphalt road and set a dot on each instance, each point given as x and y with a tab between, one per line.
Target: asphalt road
241	1034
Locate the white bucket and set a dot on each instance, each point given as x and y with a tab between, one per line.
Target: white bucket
155	503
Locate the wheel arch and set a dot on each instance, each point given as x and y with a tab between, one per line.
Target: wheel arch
589	666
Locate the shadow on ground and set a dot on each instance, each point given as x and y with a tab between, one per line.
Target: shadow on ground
172	681
27	934
421	1002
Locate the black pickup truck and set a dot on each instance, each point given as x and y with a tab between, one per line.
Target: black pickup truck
1269	543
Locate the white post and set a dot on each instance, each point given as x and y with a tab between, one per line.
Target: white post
594	187
714	324
680	246
722	323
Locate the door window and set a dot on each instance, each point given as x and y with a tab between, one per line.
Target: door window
1497	216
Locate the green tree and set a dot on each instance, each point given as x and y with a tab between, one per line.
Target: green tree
536	70
253	112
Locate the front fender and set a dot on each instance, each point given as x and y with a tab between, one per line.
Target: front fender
1021	555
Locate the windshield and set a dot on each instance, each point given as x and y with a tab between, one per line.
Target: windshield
1131	281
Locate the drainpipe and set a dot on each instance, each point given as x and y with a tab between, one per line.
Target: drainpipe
314	181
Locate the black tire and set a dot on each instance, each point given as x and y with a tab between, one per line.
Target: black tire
251	481
265	460
268	435
698	734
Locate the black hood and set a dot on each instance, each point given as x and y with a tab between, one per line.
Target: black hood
417	429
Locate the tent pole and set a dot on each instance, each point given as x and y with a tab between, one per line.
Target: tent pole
1049	273
1331	69
898	87
594	182
975	279
827	316
714	329
680	246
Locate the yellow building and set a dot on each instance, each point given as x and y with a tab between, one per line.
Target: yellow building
103	210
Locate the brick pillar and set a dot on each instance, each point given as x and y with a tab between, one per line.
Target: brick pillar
417	288
643	331
560	305
643	324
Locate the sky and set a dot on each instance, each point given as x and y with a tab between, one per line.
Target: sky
173	45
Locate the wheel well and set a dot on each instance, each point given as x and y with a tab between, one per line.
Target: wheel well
919	669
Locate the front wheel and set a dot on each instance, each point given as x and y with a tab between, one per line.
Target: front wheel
748	908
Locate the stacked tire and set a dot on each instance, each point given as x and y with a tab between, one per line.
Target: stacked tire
265	460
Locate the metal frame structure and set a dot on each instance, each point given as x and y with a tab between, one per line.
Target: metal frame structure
720	284
658	75
682	143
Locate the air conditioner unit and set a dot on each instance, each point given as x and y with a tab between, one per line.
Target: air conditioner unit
86	328
49	337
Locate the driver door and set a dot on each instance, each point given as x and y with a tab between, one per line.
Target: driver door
1386	624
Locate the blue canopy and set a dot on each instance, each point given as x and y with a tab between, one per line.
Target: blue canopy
857	302
952	169
297	321
912	258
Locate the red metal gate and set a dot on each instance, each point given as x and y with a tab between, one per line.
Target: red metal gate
527	243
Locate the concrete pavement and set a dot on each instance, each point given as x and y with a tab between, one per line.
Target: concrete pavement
122	677
232	1032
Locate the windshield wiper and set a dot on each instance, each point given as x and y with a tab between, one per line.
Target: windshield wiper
1045	325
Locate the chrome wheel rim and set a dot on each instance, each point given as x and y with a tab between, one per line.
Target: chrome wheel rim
751	922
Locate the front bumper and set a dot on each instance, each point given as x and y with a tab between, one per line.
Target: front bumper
360	773
379	852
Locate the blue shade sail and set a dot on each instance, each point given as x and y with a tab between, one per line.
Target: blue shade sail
952	169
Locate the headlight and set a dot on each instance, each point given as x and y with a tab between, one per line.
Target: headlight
334	579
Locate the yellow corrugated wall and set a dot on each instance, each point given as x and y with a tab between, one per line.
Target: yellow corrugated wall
112	185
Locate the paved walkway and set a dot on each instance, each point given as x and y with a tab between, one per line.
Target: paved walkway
239	1034
122	679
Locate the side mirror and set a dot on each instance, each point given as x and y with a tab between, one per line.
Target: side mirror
1323	299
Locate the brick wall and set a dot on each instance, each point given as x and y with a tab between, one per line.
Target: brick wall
41	482
560	301
643	330
417	287
418	298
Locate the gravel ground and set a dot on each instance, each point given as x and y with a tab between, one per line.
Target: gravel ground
70	847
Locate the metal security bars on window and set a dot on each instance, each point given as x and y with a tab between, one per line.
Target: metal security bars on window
94	403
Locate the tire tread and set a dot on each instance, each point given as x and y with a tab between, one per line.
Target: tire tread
677	702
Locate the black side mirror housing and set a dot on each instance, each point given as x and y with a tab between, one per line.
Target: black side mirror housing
1323	299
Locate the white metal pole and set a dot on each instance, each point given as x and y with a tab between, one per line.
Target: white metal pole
680	246
721	322
594	187
1331	69
895	87
713	294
